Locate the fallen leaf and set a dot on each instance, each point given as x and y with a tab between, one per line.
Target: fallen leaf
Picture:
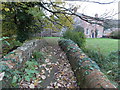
48	75
43	77
31	86
43	71
49	87
36	82
49	63
1	76
46	68
49	71
39	81
47	60
58	84
49	55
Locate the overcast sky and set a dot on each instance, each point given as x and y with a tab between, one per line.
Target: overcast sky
92	8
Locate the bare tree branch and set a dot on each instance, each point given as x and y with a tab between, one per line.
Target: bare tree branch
93	1
69	12
53	21
102	2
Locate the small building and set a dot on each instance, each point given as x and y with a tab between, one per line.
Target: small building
90	30
108	32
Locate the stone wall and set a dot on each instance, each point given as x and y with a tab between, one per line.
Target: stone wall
87	72
18	57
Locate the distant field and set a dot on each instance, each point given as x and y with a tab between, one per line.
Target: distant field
103	44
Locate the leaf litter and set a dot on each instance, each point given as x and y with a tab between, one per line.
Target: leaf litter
55	66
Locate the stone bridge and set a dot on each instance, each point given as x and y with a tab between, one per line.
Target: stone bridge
86	71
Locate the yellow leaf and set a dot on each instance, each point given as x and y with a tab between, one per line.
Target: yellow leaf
82	56
36	82
7	9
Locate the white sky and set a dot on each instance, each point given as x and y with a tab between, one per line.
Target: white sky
92	8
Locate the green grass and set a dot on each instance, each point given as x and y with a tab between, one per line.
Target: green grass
52	40
51	37
104	45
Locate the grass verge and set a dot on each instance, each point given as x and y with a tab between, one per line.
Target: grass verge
104	45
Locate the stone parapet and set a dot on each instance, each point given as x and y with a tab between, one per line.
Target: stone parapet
19	56
87	71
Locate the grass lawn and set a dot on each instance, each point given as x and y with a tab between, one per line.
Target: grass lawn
105	45
52	40
51	37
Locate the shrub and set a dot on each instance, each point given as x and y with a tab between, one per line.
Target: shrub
78	28
113	64
115	34
108	64
77	37
9	45
95	55
36	55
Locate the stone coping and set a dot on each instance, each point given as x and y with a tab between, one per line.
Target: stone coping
87	71
19	56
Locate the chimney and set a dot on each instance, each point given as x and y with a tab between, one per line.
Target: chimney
75	9
96	15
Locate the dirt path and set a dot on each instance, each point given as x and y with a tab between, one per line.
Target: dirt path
61	74
55	70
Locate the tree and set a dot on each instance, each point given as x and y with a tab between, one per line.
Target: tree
25	16
78	28
51	20
17	19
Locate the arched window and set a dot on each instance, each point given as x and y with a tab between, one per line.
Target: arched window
96	33
87	31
